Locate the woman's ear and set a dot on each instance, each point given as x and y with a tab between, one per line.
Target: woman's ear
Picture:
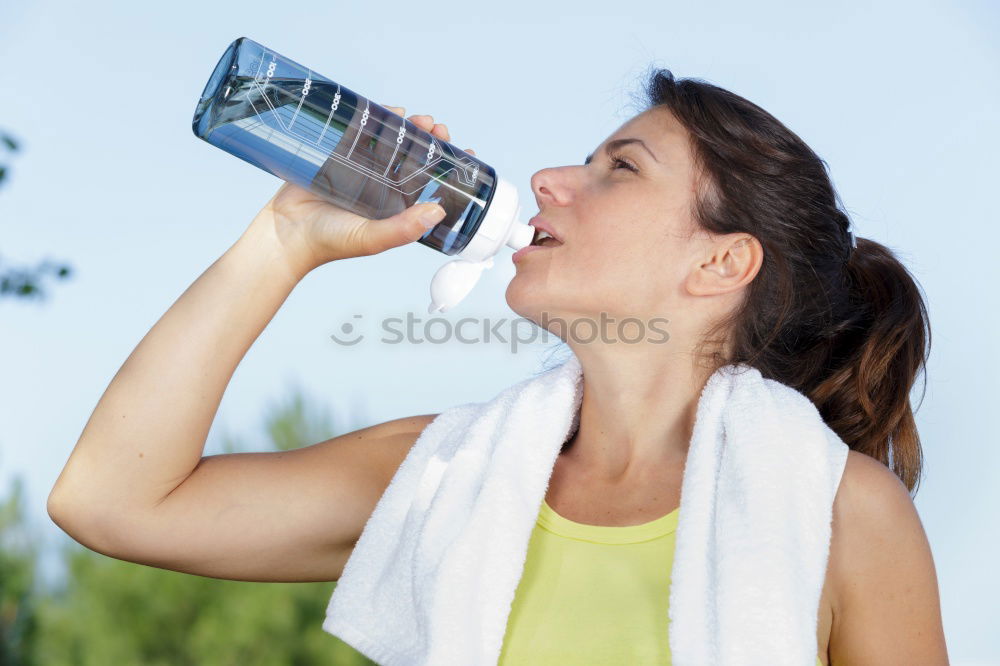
731	262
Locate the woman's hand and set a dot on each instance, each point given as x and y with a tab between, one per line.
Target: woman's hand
313	231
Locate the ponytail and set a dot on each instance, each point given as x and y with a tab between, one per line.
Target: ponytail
884	342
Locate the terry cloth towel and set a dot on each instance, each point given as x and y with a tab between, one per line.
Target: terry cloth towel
432	578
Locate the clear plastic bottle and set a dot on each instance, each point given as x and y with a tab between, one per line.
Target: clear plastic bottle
306	129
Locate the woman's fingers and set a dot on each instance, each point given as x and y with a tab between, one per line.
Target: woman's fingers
426	123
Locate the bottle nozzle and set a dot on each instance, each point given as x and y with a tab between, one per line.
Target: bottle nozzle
521	235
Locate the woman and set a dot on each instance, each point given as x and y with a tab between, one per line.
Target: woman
703	210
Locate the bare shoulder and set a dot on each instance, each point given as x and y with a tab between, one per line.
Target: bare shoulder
886	604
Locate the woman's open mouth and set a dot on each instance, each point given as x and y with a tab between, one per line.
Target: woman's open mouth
542	240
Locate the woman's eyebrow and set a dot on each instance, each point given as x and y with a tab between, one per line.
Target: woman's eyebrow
618	143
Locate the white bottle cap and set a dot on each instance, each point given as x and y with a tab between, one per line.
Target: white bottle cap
500	226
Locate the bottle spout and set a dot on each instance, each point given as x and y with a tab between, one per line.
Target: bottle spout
520	235
500	226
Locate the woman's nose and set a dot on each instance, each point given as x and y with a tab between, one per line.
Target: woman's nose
551	186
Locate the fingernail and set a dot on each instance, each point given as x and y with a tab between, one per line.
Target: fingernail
432	215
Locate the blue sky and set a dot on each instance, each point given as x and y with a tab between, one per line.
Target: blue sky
900	99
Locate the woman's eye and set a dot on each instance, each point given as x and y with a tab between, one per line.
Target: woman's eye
618	162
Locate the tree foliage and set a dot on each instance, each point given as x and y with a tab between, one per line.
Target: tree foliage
111	612
18	589
24	281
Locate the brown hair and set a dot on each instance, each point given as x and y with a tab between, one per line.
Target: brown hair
845	326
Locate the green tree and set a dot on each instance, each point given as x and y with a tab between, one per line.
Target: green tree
111	612
18	585
23	281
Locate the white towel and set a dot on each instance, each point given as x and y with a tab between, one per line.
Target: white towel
433	576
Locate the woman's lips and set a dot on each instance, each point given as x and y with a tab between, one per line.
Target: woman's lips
541	225
531	248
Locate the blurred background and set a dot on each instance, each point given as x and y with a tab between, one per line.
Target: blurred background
110	208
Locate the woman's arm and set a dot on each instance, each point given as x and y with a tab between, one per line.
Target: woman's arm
886	604
148	431
137	488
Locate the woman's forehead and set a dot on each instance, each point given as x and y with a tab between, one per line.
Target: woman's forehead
662	133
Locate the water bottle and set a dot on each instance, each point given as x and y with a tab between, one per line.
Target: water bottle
306	129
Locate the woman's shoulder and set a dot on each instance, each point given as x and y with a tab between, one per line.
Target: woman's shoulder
885	596
871	496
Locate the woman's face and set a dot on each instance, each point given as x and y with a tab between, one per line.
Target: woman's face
625	220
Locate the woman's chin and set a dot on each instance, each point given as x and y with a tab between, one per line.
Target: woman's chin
526	299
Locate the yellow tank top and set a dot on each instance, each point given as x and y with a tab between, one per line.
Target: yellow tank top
592	594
